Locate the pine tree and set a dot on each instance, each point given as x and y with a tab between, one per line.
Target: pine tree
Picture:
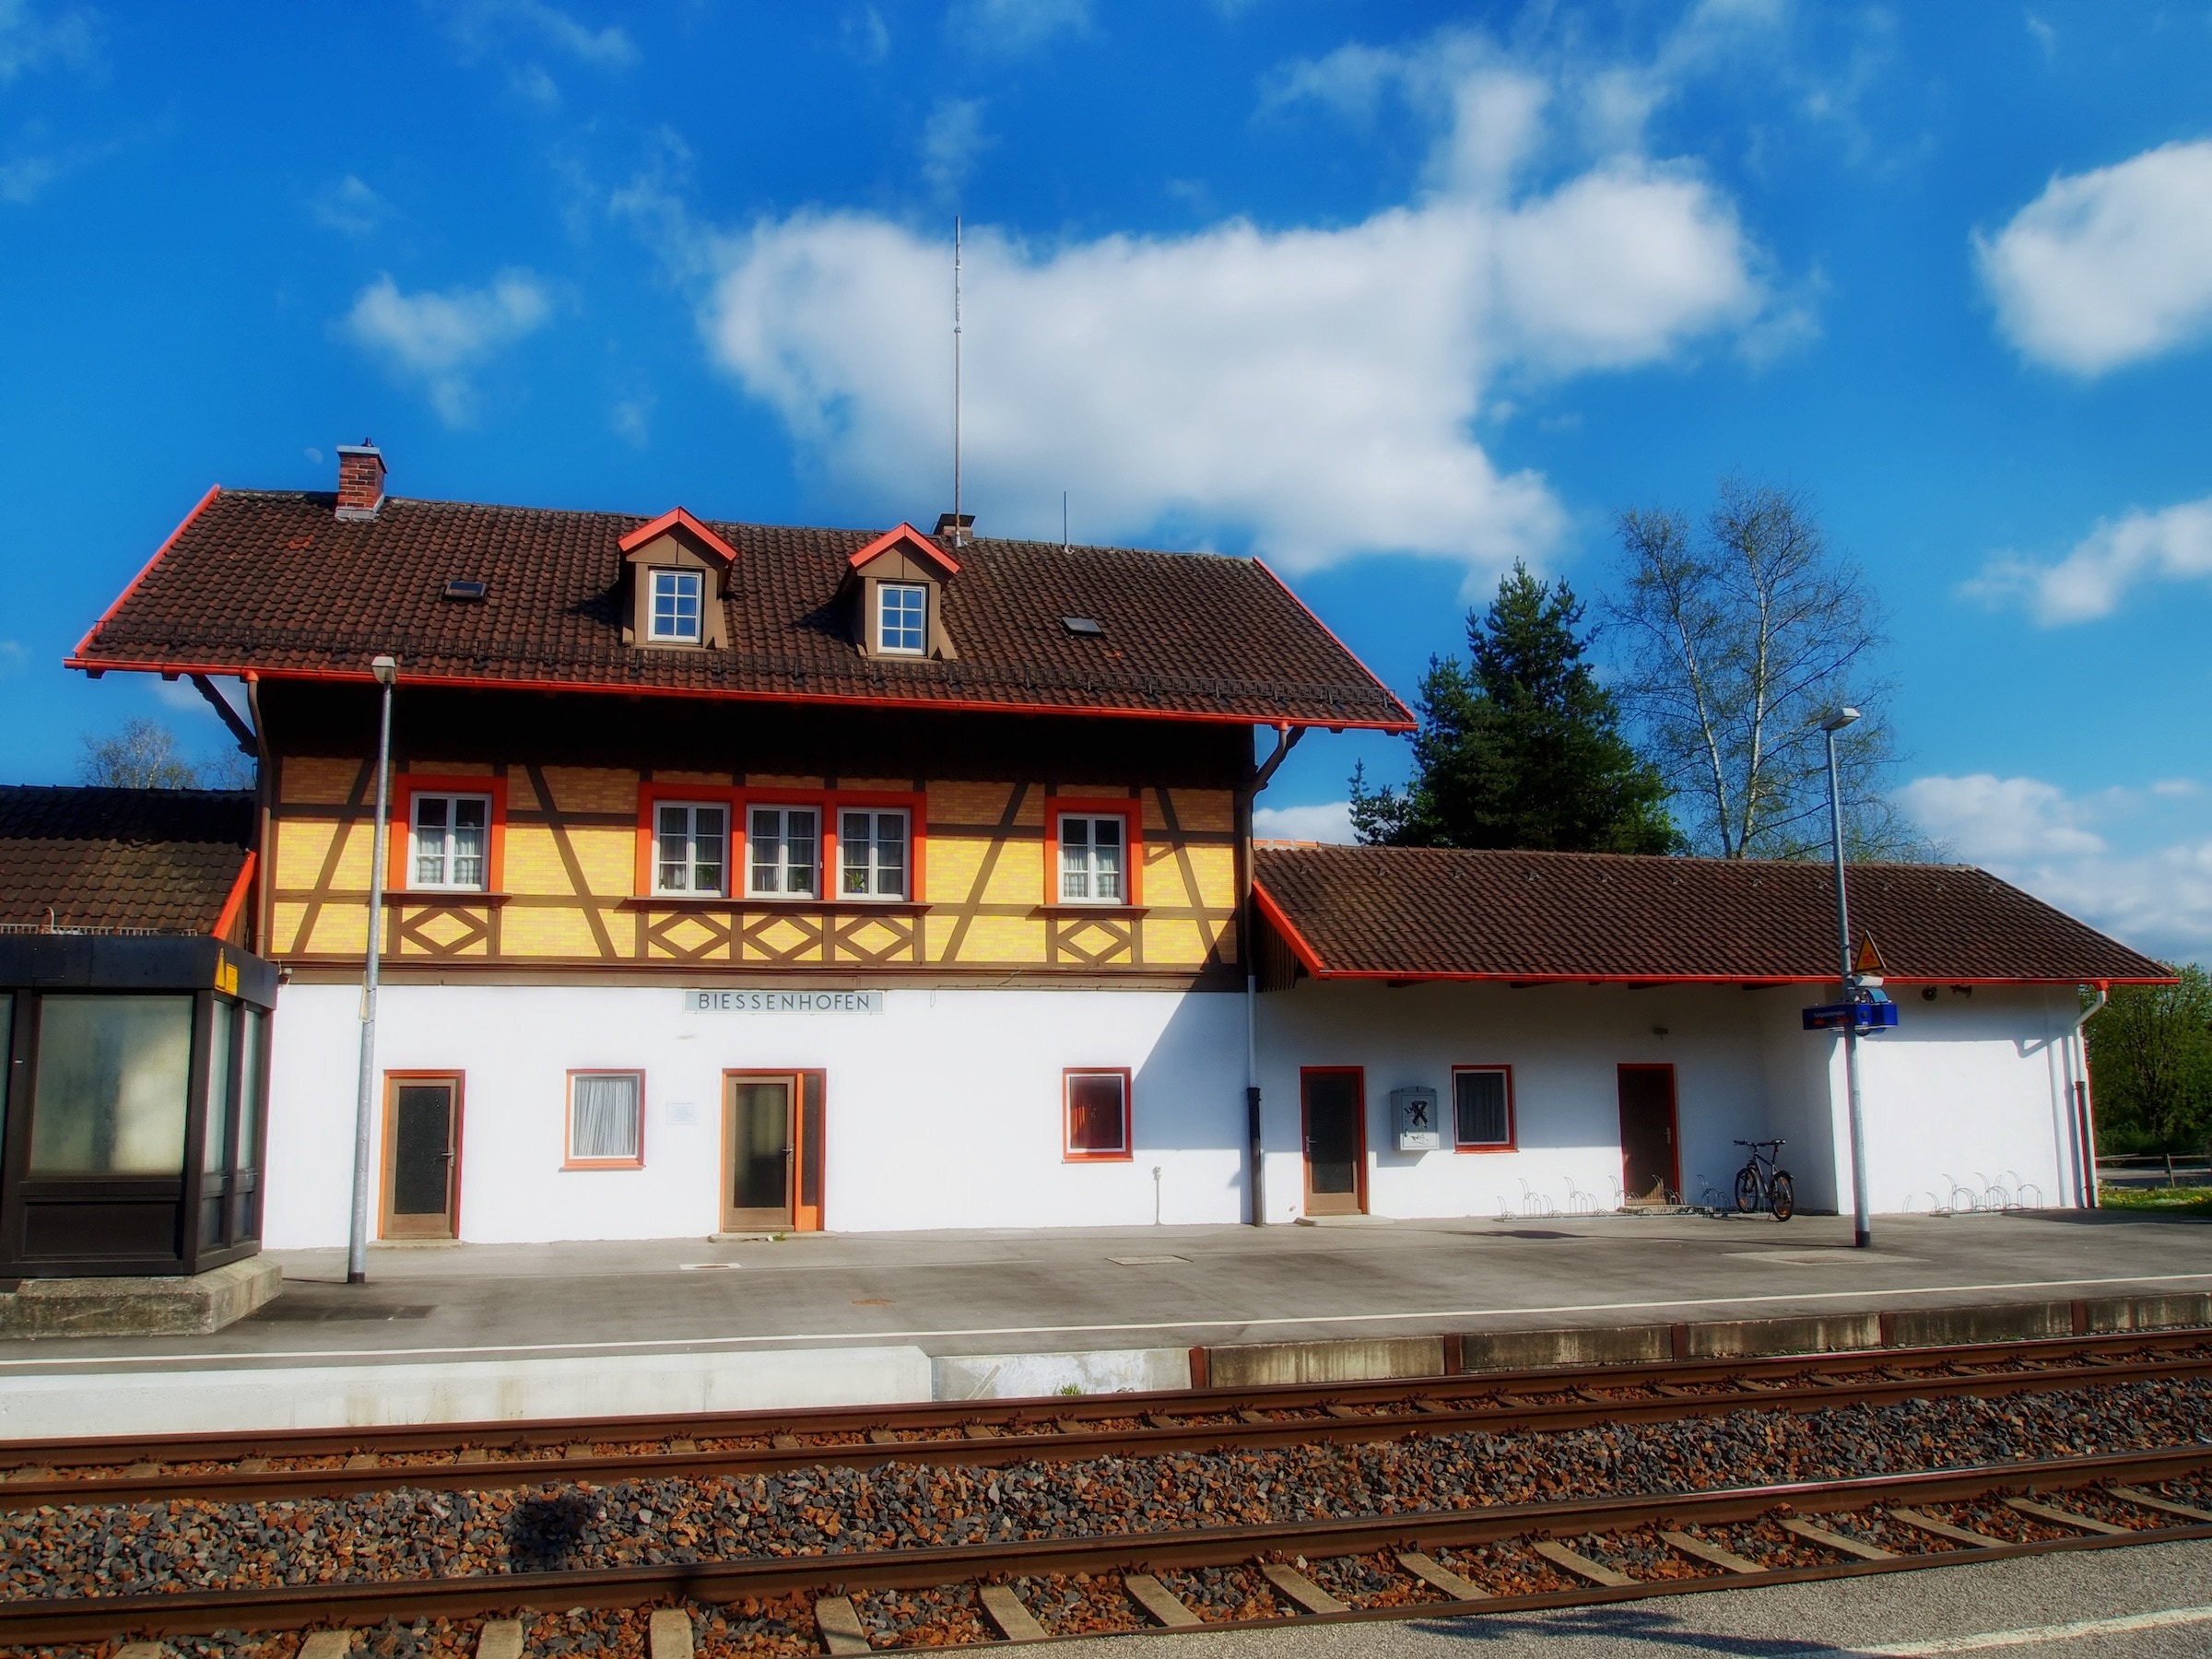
1521	746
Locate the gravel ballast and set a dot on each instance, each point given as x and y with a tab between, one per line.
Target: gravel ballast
153	1547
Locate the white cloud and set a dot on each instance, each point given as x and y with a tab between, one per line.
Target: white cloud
1329	821
2037	836
1312	391
1018	25
2111	266
30	39
440	338
12	657
349	205
483	25
1984	817
865	34
2173	544
23	178
951	140
631	417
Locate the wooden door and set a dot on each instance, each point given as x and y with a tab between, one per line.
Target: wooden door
1651	1169
760	1128
422	1156
1335	1116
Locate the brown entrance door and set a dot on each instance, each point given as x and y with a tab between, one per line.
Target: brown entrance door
1651	1170
771	1141
1335	1113
422	1157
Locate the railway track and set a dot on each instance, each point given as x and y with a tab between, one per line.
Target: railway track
984	1434
1501	1558
1481	1493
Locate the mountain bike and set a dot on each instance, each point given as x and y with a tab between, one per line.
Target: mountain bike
1759	1184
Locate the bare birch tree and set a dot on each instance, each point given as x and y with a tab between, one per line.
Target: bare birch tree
1735	638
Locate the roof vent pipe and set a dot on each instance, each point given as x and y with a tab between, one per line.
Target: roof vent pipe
360	480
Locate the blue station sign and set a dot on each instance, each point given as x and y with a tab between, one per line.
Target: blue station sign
1865	1015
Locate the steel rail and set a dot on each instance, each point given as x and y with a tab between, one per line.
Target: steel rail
62	1619
1049	1434
955	1414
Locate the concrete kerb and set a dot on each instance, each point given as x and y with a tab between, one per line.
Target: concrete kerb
1476	1352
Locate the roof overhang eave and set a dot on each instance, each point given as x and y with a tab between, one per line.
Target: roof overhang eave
177	670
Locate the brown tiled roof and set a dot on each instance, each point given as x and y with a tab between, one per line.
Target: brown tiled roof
274	582
163	860
1405	913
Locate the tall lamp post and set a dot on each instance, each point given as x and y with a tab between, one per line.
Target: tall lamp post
1863	1236
386	670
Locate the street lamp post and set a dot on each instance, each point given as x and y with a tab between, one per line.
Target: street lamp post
386	670
1863	1233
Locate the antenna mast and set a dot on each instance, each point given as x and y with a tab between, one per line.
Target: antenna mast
956	380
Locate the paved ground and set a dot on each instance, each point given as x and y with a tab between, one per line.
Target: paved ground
2014	1605
1007	1291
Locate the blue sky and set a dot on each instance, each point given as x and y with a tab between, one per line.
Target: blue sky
1390	295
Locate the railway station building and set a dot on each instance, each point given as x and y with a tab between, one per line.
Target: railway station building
746	879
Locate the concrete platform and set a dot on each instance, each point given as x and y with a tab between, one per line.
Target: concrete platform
1007	1313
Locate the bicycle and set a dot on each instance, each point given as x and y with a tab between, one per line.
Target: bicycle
1760	1184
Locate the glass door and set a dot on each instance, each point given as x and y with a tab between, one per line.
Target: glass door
422	1157
759	1147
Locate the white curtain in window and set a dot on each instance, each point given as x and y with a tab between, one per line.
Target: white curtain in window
603	1119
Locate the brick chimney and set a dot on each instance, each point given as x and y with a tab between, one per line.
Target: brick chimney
360	480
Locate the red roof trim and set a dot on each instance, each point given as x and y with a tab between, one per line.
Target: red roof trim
677	518
468	682
907	532
1348	651
169	542
1291	936
239	889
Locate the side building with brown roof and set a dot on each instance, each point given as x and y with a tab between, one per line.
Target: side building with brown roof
1532	1035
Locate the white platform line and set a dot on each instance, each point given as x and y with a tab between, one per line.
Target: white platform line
696	1344
2034	1634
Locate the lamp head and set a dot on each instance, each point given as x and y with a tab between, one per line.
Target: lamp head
1839	719
385	668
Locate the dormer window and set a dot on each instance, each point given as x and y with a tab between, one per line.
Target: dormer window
677	607
902	618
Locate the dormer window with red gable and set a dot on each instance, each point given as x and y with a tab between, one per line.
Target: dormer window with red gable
676	576
898	590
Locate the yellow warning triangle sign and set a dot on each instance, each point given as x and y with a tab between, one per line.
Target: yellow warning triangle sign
1868	957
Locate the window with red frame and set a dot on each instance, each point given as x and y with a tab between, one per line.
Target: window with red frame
1098	1114
1482	1108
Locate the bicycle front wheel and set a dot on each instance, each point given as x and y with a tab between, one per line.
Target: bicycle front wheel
1747	1189
1781	1197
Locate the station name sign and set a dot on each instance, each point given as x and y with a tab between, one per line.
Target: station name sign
782	1002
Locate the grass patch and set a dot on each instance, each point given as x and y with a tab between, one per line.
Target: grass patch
2186	1201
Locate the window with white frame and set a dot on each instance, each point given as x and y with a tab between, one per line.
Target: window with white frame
781	845
676	600
1093	850
1482	1107
452	834
872	854
689	844
606	1117
1098	1114
901	617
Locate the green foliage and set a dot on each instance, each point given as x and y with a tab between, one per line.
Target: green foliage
142	754
1736	637
2151	1059
1521	746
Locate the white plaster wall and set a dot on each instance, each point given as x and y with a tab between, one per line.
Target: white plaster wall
1970	1086
1972	1090
943	1110
1563	1043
